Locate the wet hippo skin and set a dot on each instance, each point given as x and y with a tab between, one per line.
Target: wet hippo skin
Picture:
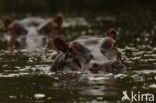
32	33
88	53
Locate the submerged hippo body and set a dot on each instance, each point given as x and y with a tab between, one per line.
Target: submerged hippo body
88	53
32	33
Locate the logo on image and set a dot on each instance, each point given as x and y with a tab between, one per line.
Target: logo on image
139	97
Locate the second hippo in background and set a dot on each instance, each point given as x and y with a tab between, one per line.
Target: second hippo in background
32	33
89	53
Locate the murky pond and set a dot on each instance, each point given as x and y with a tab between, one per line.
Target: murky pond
25	75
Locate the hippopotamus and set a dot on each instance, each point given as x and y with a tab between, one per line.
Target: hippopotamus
32	33
88	53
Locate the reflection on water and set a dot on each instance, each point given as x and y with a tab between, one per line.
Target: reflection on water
24	71
25	75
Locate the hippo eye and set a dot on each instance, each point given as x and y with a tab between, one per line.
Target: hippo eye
44	31
91	57
70	49
19	30
106	44
22	31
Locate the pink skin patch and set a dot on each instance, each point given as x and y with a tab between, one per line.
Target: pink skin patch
95	65
117	63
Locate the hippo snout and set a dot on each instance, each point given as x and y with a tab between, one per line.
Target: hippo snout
115	66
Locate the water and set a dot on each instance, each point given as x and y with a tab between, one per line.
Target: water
25	75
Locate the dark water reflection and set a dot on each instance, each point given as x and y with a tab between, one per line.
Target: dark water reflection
25	76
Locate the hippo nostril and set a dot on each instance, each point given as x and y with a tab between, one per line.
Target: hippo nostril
95	65
117	63
95	68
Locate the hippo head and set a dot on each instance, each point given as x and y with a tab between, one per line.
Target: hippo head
88	53
32	33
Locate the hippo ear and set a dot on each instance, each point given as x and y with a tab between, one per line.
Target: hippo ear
60	45
58	19
7	21
112	33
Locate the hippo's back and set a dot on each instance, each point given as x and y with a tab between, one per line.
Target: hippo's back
32	21
91	42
